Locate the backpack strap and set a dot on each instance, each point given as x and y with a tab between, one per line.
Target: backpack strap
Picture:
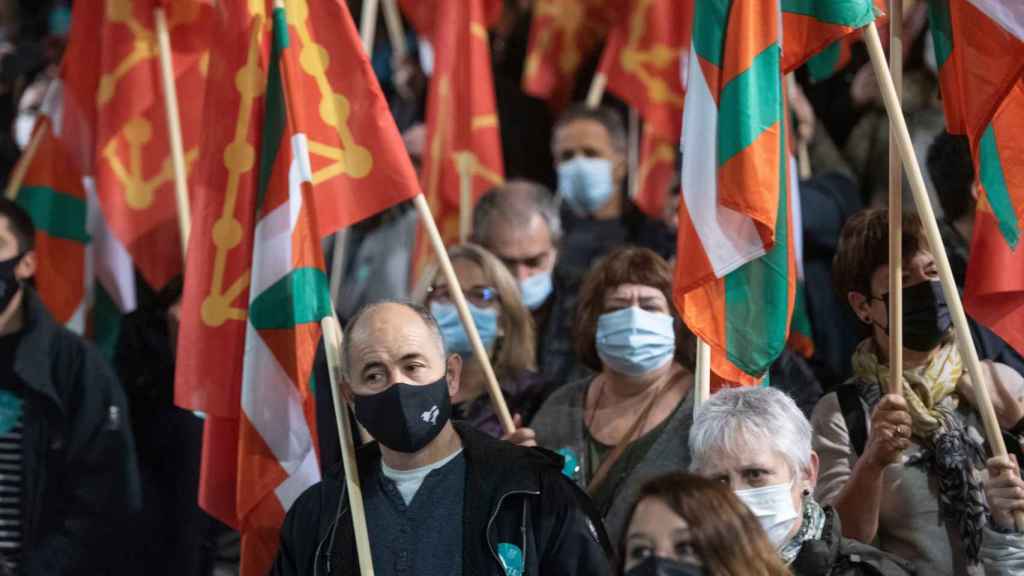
854	414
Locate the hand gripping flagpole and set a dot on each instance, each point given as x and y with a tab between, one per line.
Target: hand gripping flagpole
931	229
895	208
497	399
332	346
173	127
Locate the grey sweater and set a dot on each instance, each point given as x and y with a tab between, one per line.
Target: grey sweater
559	425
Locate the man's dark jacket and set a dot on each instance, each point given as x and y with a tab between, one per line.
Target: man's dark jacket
513	494
81	482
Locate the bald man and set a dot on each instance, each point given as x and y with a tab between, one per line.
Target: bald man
441	498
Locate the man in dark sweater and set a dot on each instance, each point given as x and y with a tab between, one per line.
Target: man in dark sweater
441	499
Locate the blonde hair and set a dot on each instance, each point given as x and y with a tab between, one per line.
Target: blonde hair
516	350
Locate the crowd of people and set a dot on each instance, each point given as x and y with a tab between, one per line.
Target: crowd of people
613	468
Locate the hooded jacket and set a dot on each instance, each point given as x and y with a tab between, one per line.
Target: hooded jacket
513	494
81	482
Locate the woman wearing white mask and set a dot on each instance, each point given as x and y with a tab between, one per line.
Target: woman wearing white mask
756	441
505	328
623	426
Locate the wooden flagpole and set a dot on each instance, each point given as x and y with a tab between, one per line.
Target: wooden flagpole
464	163
596	91
21	168
332	346
931	229
173	127
497	399
702	378
895	208
396	35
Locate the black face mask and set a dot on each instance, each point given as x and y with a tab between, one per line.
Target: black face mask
405	417
926	319
657	566
9	283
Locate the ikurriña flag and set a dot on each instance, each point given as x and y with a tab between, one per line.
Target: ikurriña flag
736	273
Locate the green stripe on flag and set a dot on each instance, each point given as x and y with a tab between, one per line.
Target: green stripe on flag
750	104
106	322
851	13
274	119
993	180
300	297
822	65
57	214
942	30
710	19
757	294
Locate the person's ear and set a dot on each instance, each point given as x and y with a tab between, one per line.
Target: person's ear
811	472
619	167
453	372
861	306
27	266
975	190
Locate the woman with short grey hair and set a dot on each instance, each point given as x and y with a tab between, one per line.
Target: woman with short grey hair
756	441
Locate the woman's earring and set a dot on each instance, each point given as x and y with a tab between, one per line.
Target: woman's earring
807	492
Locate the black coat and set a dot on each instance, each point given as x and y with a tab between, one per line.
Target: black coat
513	494
834	555
80	475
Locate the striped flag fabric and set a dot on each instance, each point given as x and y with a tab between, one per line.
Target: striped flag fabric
52	194
736	275
979	47
288	296
822	30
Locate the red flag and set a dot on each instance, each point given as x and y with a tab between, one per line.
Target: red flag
562	34
462	120
134	177
657	172
643	61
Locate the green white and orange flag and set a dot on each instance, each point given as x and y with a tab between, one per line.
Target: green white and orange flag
292	142
823	29
52	194
979	47
462	119
735	274
563	33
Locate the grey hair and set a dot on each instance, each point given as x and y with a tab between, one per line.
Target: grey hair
515	202
733	417
603	115
422	311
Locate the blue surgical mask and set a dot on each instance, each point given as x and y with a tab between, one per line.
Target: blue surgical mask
585	183
633	341
536	289
455	338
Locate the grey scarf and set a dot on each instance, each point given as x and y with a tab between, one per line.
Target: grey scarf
810	529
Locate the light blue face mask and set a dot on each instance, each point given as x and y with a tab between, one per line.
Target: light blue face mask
633	341
536	289
455	338
585	183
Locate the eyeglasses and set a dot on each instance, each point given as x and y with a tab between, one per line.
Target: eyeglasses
481	296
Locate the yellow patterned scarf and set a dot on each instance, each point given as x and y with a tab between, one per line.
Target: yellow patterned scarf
924	387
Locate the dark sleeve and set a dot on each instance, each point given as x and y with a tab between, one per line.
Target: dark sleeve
102	488
303	530
288	562
578	543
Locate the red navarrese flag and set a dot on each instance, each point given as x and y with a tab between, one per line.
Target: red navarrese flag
462	117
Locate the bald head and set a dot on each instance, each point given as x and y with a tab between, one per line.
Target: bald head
388	342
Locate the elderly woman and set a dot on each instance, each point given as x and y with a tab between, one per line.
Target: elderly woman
505	328
757	442
686	525
906	470
623	426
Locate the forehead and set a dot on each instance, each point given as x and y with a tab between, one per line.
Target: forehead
391	331
916	266
653	515
630	291
506	234
747	451
581	131
469	273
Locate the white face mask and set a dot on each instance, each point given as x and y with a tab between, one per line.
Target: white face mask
773	506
